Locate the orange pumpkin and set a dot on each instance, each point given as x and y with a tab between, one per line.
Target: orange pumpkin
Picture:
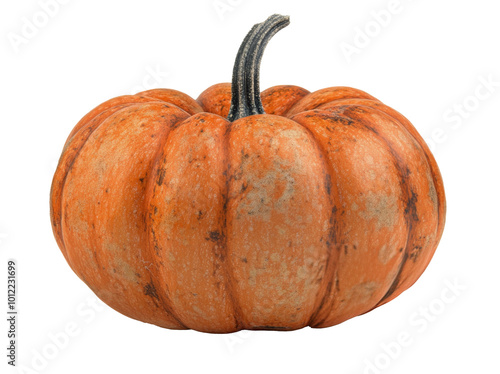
242	210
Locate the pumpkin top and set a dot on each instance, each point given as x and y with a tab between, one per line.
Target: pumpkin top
245	91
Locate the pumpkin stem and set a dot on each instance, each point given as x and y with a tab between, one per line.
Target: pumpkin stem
245	99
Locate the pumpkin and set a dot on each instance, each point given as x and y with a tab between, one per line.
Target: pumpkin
247	210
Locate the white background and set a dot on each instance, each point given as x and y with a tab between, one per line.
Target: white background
429	61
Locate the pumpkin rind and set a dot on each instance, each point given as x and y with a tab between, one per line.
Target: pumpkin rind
349	158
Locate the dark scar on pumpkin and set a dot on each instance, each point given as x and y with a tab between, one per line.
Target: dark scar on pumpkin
161	176
214	236
265	327
150	290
